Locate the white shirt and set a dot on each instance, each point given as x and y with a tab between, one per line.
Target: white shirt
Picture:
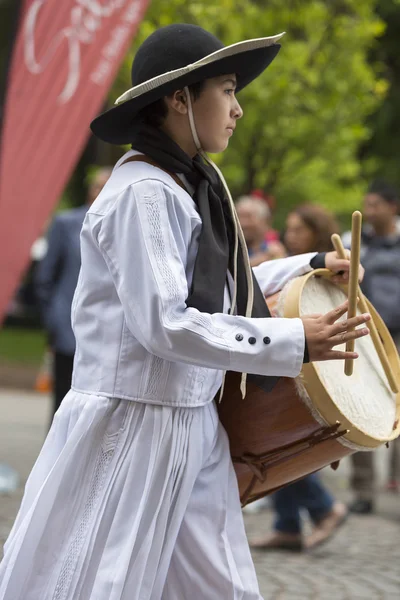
135	336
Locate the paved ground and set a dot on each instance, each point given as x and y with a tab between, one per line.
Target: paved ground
362	562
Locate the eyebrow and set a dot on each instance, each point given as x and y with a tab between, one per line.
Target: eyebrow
231	80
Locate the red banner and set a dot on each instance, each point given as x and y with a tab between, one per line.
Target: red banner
65	58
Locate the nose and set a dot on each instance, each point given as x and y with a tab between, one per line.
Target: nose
237	111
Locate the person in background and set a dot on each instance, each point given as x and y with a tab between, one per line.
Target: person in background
255	219
271	235
380	254
55	281
308	227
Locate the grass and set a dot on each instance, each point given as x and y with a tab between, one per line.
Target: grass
23	346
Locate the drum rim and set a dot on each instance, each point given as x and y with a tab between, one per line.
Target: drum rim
322	400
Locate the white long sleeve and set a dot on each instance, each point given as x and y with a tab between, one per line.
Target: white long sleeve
148	240
272	275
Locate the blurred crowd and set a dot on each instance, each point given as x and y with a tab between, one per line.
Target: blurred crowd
308	228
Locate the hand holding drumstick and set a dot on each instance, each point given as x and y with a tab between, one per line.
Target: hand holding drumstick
324	332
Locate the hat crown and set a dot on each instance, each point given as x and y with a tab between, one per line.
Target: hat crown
170	48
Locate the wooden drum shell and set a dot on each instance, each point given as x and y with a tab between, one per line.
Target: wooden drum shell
286	440
274	437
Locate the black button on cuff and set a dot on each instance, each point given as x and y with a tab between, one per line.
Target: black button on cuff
239	337
267	340
252	340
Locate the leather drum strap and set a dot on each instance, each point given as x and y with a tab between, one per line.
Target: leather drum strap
150	161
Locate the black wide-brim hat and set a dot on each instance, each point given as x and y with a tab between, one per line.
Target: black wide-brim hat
177	56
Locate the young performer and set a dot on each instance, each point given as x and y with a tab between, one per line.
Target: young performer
134	495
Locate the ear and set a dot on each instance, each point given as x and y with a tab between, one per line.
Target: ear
177	102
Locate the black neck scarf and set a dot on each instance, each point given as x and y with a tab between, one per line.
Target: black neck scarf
216	243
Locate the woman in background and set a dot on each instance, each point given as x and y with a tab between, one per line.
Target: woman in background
309	226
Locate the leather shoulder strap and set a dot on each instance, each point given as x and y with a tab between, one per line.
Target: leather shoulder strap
150	161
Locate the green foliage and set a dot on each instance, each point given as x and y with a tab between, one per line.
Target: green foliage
19	345
304	118
380	155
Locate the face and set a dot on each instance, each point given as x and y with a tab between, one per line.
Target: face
299	238
216	112
377	211
254	228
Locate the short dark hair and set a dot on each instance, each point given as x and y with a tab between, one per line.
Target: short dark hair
155	113
385	190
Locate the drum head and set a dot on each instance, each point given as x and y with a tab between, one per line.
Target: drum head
363	402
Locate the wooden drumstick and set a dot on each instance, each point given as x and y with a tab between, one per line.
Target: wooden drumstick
337	244
353	282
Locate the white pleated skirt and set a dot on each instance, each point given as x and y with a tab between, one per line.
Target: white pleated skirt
130	501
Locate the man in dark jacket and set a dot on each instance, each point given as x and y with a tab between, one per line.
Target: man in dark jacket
380	256
55	282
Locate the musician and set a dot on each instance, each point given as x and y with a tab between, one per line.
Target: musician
134	495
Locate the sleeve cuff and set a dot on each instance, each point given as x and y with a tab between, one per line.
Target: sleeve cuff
318	262
306	357
268	346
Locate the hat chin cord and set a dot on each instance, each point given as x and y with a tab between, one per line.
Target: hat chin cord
239	236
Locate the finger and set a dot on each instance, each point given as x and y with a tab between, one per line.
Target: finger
348	324
344	337
335	314
338	355
358	320
343	278
342	264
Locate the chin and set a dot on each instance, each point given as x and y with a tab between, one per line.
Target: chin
216	148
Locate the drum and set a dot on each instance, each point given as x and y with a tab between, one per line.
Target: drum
312	421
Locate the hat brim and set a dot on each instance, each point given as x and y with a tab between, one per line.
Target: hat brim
247	62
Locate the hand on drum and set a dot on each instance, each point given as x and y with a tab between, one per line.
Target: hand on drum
341	267
324	332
